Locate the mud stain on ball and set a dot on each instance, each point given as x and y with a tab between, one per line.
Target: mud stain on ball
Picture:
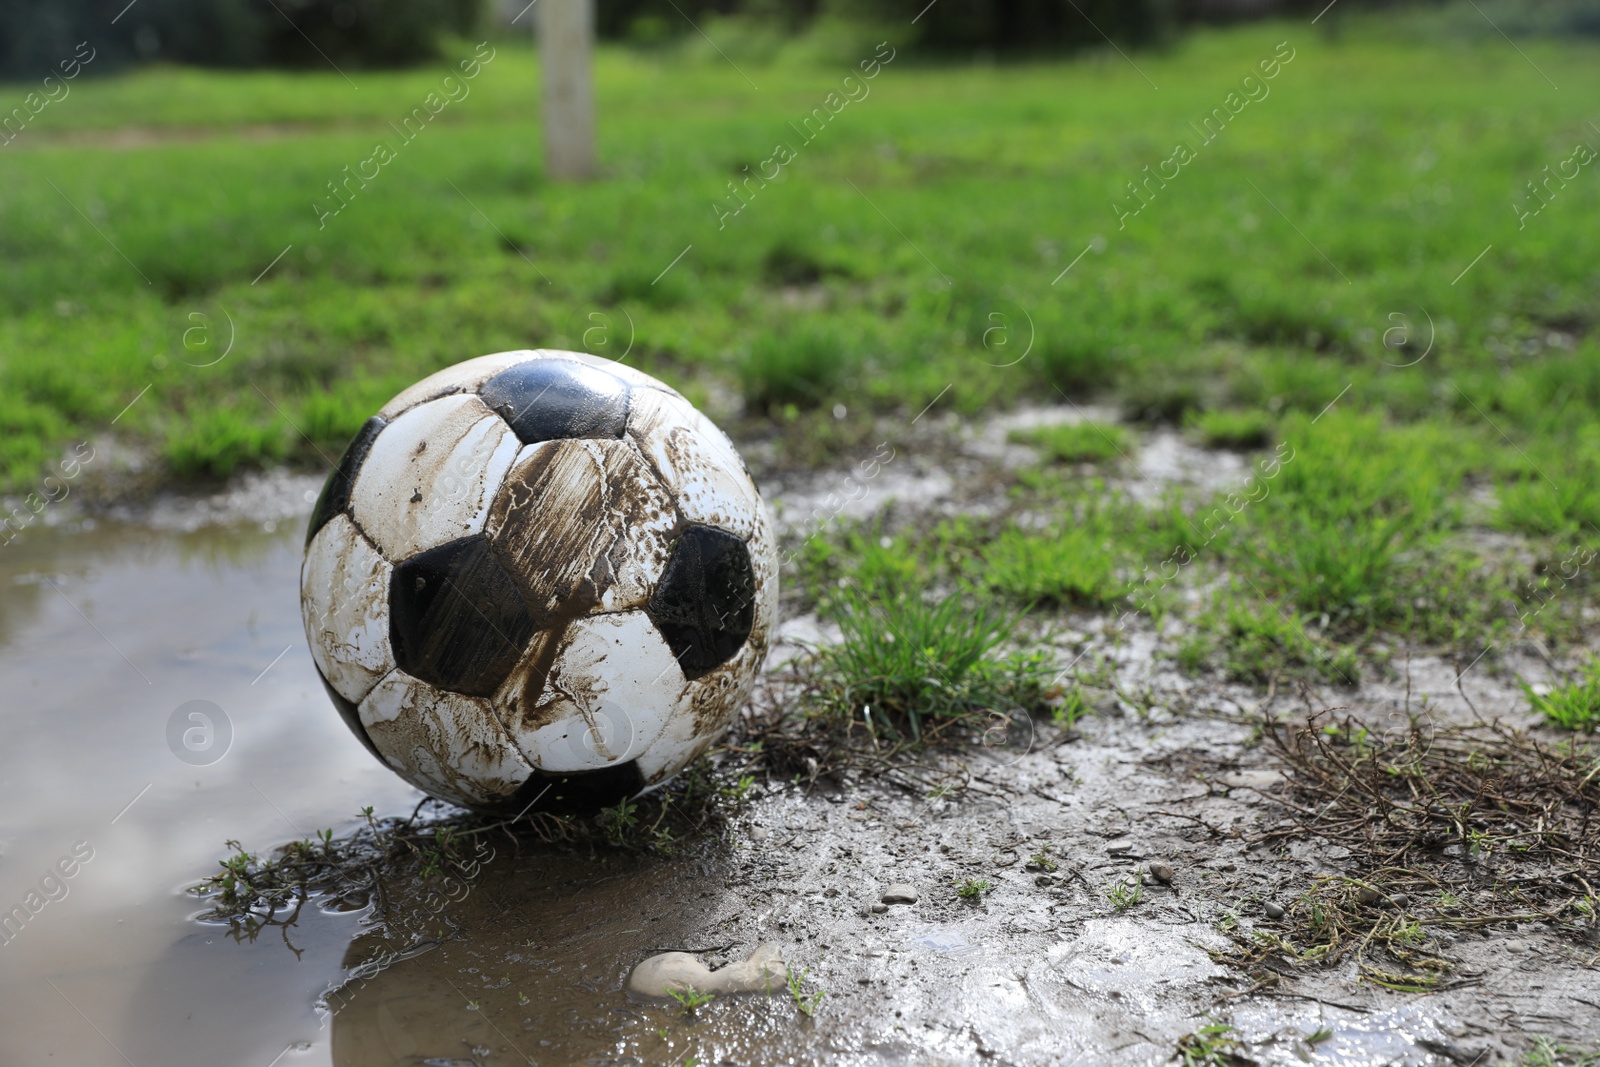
582	525
697	461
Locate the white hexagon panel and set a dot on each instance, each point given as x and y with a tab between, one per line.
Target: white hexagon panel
344	603
593	693
431	474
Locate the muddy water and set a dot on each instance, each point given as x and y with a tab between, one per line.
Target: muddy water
106	814
104	633
107	811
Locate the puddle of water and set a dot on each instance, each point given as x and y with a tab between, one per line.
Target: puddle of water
107	633
103	634
1379	1039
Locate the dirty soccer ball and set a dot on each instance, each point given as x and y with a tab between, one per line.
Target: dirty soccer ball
538	579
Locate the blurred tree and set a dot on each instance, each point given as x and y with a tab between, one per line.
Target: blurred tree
36	34
1013	26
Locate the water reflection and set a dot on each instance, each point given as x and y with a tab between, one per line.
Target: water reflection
103	633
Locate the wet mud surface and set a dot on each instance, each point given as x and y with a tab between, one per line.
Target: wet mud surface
107	626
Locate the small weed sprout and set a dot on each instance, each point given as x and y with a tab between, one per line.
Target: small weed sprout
973	888
1072	708
689	998
806	1002
741	791
1213	1045
619	821
1041	859
1548	1053
1126	893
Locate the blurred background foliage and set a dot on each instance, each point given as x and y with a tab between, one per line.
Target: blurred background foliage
390	33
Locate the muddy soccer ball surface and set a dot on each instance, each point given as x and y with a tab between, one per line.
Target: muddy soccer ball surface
538	575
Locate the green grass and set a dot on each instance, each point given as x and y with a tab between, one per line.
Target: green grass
1126	893
1252	640
1298	293
1071	565
802	367
1547	1052
1213	1045
1077	442
1228	428
873	272
691	998
973	889
1574	705
806	1002
908	665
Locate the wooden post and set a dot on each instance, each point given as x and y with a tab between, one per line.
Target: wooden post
566	44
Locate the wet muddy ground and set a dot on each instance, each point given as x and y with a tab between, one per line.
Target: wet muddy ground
111	621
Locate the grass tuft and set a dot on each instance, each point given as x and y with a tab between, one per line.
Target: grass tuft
1575	705
1126	893
1255	642
973	889
1237	429
801	364
909	666
1077	442
1213	1045
1074	565
806	1002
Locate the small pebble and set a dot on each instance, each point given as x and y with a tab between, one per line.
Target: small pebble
1367	895
1161	872
879	909
1400	900
899	893
1274	910
1045	880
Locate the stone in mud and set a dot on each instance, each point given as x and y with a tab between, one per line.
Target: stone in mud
660	976
899	893
1274	910
1161	872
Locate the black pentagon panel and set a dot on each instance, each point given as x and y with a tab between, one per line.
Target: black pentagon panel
705	605
335	496
554	399
351	716
456	619
577	793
